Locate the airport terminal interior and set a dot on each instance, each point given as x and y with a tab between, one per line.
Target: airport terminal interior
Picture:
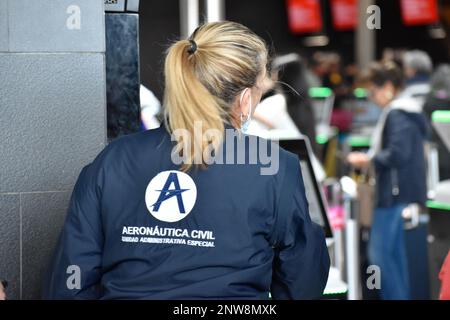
346	79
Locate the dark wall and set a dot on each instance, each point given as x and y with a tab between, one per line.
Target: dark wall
52	123
270	22
268	18
395	34
122	74
159	24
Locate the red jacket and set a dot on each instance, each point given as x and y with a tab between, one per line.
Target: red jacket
444	276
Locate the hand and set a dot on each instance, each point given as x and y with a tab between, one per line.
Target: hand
2	292
358	159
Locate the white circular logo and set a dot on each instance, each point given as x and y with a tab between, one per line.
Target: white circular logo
170	196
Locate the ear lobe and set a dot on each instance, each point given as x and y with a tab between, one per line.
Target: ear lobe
245	101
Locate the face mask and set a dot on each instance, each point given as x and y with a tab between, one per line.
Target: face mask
246	122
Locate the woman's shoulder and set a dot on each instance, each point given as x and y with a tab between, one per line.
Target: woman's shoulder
287	161
133	144
271	145
139	139
399	118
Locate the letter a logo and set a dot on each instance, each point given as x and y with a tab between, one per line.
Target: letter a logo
170	196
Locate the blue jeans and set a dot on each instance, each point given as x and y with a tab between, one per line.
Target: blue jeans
387	250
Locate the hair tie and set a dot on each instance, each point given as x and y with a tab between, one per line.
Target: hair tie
193	47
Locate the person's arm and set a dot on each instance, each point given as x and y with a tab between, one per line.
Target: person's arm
399	146
75	271
301	263
3	285
444	276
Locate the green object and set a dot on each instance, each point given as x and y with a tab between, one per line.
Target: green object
319	92
438	205
329	293
441	116
360	93
321	138
359	141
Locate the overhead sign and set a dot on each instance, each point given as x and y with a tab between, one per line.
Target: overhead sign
419	12
304	16
344	14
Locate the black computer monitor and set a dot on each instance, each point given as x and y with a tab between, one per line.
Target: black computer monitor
317	206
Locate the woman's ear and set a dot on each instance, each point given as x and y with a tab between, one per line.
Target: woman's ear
245	101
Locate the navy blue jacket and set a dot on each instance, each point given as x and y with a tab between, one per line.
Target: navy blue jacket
240	246
401	162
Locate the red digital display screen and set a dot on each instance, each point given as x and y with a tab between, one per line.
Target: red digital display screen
419	12
344	14
304	16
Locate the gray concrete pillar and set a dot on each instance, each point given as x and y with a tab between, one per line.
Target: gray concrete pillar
189	17
52	123
215	10
365	38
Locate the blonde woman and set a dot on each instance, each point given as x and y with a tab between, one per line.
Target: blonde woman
143	225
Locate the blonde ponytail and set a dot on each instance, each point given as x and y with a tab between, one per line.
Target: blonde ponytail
201	84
